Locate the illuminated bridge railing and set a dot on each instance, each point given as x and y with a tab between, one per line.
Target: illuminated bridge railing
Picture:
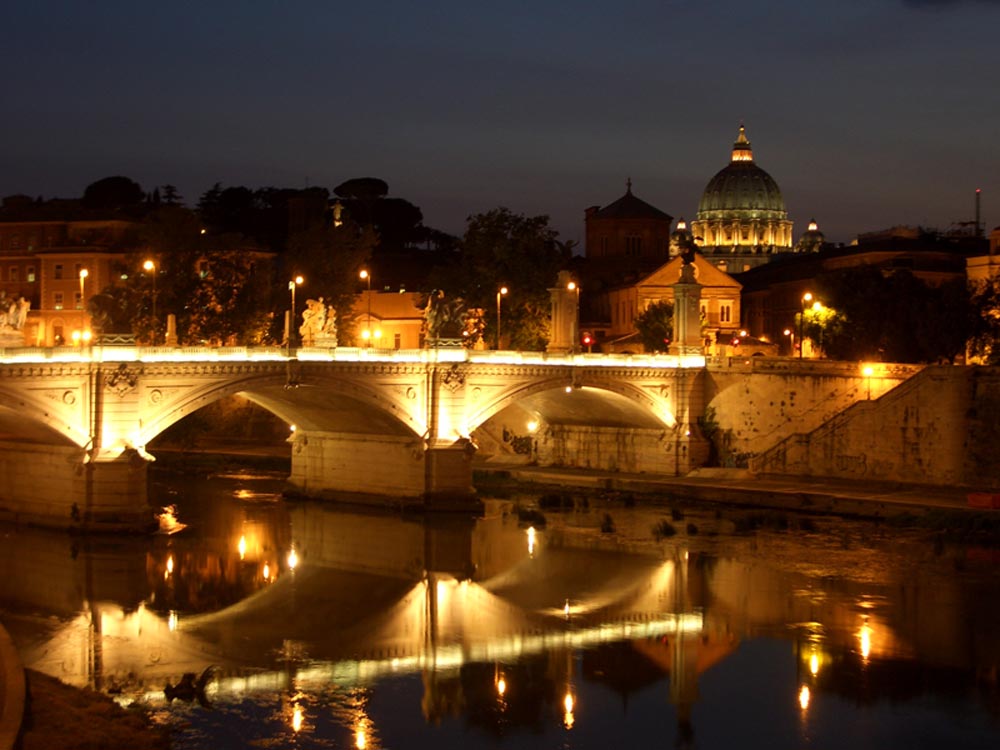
98	354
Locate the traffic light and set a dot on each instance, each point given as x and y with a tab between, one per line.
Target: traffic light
588	340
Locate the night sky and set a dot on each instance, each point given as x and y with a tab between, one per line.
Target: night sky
868	113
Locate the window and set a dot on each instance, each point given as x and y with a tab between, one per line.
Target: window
725	312
57	271
633	246
78	300
31	274
12	273
57	299
397	341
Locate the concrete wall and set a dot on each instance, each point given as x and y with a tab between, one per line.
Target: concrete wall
758	401
940	427
621	449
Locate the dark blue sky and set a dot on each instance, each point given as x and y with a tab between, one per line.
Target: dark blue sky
868	113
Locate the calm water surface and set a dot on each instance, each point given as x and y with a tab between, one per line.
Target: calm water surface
332	627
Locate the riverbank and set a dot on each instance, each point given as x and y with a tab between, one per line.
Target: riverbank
739	487
57	715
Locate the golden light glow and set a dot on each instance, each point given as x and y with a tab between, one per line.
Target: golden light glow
865	640
531	540
170	564
242	547
501	686
360	741
503	290
148	265
364	274
366	334
566	609
297	718
804	697
682	224
571	286
568	703
532	425
266	572
807	297
868	371
84	273
299	281
813	664
172	621
813	226
293	559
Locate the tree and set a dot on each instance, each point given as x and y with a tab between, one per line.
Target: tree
171	197
113	194
984	325
330	259
501	248
655	325
890	316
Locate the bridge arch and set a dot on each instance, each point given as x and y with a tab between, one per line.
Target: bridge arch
318	402
53	416
617	402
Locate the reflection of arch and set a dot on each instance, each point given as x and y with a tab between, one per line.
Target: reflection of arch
660	409
316	405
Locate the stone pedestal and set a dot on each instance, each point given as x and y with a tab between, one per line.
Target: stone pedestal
382	469
687	314
563	332
55	486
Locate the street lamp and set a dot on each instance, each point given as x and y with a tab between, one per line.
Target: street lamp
150	267
791	341
574	287
806	298
868	371
500	293
365	276
297	281
84	273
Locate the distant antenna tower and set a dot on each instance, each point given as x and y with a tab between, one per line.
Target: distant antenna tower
979	229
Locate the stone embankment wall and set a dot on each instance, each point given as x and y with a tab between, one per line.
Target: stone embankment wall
940	427
758	402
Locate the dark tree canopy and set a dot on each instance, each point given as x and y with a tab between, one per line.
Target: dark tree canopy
655	325
501	248
362	188
890	316
113	194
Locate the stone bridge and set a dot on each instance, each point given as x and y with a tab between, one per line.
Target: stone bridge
74	425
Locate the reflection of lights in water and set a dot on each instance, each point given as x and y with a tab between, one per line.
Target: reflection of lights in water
865	640
167	519
501	686
531	540
813	664
566	609
297	718
242	547
804	696
172	620
360	741
170	567
293	559
568	704
266	572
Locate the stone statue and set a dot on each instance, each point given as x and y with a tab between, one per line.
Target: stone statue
13	313
330	328
444	318
313	321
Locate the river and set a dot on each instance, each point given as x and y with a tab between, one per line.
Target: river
545	622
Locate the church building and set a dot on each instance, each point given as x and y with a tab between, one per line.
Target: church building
741	221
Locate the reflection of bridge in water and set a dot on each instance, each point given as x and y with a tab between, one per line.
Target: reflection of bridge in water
373	595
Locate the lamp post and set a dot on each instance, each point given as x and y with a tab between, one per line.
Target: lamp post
500	293
868	371
297	281
791	341
574	287
806	298
365	276
150	267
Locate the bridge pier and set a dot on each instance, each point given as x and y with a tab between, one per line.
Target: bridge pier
382	469
57	486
